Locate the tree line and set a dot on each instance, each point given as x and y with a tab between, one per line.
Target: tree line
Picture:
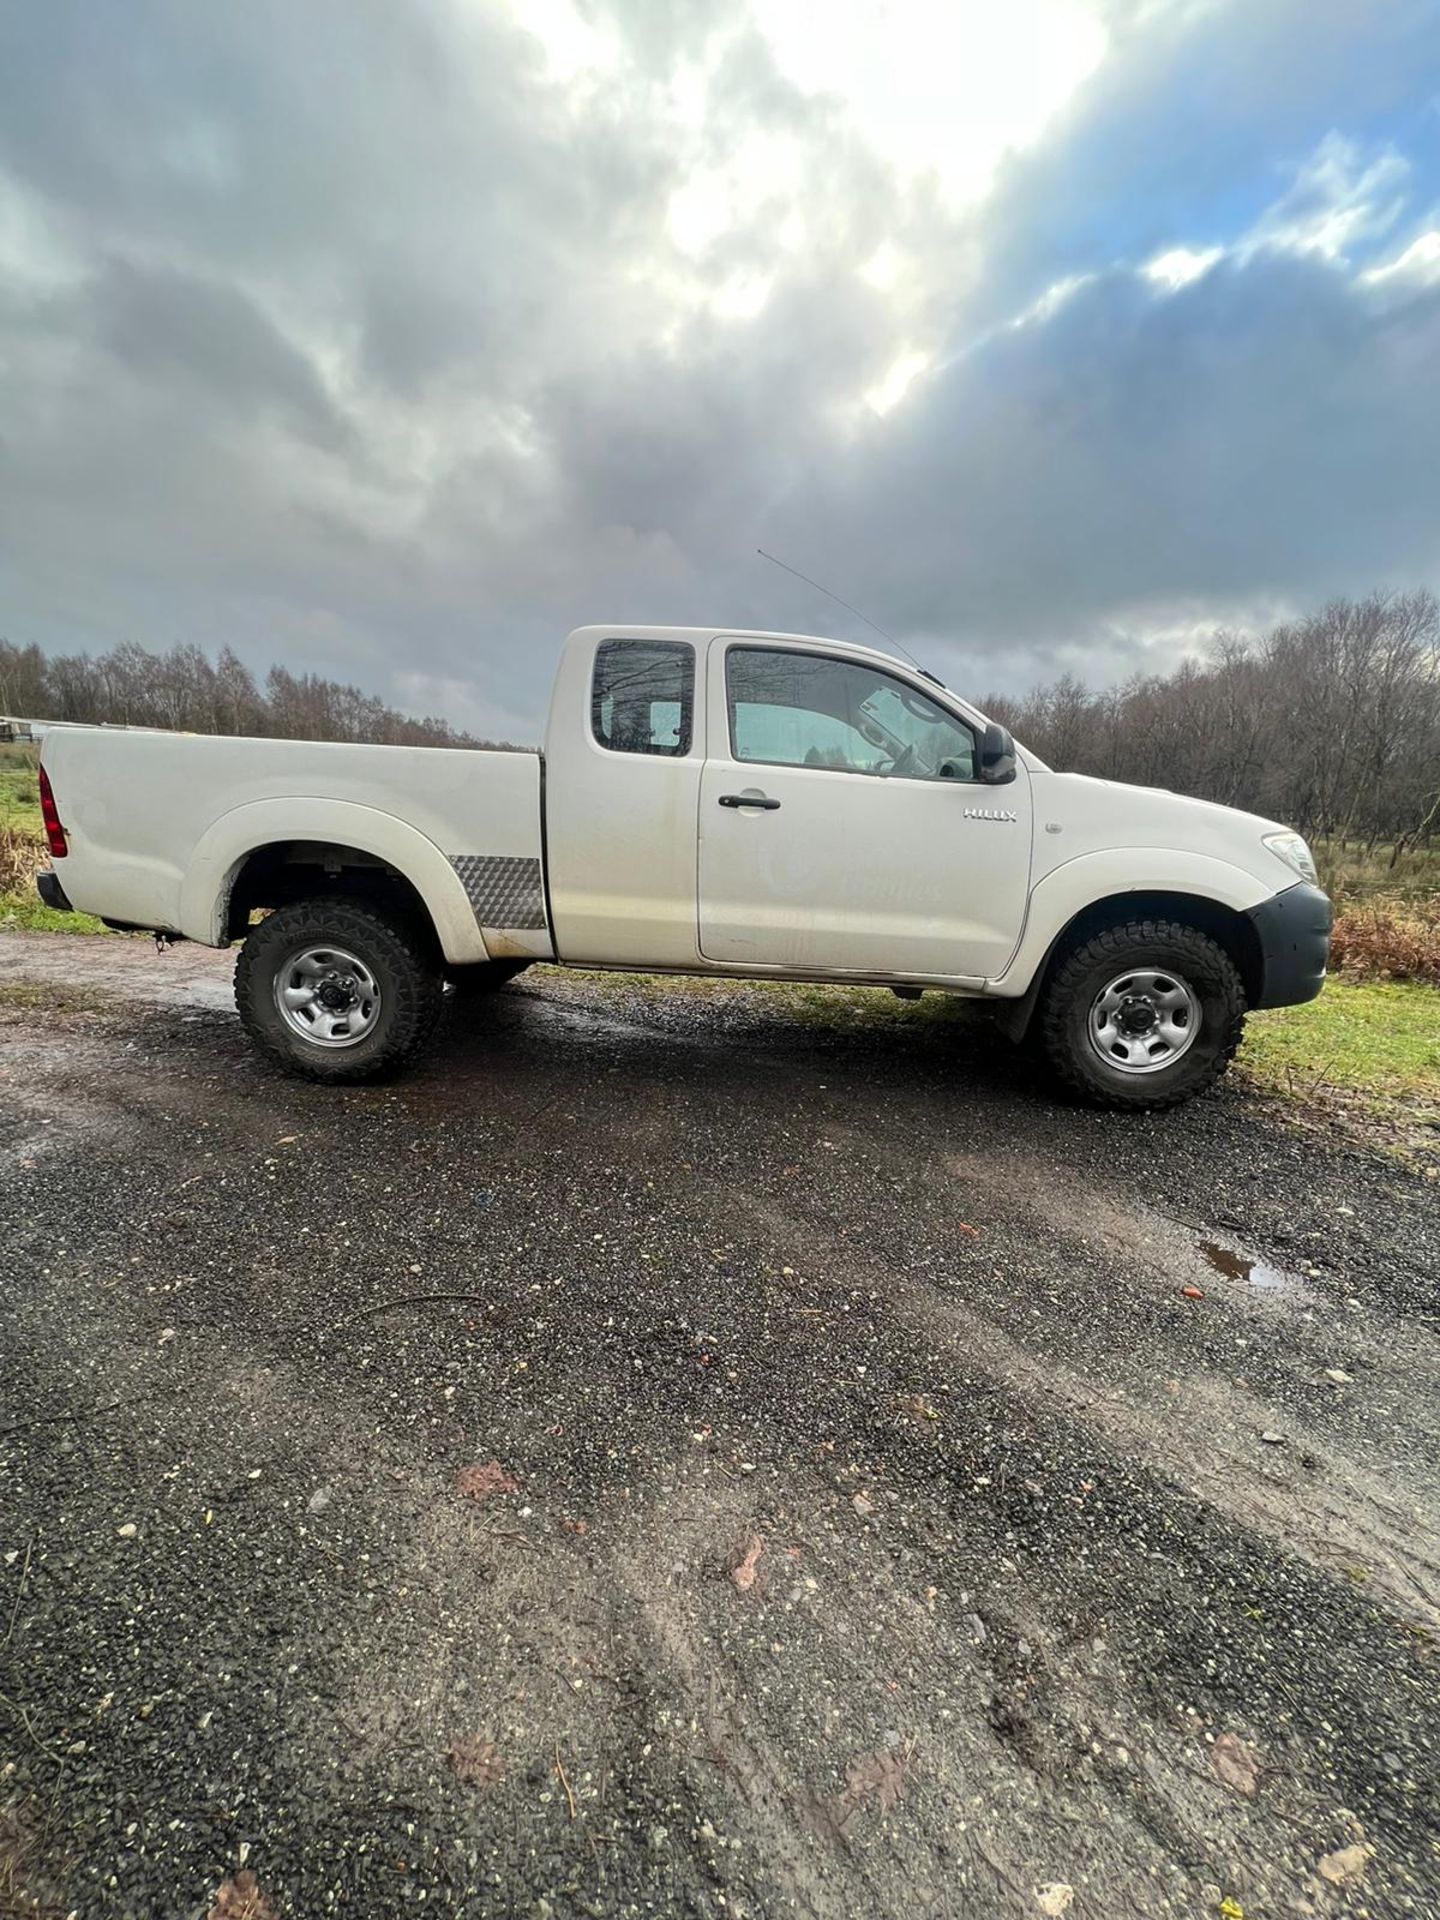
185	691
1330	723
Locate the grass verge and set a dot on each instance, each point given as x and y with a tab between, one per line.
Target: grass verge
19	796
1366	1053
27	913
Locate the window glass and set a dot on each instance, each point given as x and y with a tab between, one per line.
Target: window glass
642	698
810	710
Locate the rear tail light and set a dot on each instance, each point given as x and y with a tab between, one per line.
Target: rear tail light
50	814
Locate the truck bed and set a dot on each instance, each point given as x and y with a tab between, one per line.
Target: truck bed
150	817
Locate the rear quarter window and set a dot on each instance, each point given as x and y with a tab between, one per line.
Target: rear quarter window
642	697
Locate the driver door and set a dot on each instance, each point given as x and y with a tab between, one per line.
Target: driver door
842	826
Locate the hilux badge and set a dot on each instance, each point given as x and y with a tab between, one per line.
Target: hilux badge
990	813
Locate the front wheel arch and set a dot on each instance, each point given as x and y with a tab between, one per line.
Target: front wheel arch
1234	933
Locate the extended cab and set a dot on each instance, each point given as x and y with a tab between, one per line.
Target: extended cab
743	804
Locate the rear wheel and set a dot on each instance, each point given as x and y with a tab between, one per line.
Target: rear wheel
334	990
1144	1015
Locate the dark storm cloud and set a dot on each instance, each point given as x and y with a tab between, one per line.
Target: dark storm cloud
1266	430
170	327
352	335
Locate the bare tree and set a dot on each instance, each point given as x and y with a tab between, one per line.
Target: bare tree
1331	722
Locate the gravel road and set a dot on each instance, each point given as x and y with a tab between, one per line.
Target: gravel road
695	1451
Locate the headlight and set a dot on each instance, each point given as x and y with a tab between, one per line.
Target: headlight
1290	848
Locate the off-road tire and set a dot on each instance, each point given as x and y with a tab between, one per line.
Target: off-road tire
1165	945
395	950
473	982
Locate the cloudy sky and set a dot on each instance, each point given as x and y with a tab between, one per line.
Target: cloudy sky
394	340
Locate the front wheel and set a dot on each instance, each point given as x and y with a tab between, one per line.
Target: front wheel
1144	1015
330	989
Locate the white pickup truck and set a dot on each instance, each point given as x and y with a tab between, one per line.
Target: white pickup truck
757	805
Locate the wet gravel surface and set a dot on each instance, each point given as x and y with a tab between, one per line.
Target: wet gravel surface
696	1451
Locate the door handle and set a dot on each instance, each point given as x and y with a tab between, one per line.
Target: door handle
762	802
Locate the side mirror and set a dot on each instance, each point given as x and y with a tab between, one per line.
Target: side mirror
997	756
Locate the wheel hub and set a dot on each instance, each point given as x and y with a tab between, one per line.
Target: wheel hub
337	992
1136	1014
1143	1021
328	996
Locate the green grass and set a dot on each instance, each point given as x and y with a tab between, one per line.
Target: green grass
27	913
1369	1047
21	909
19	798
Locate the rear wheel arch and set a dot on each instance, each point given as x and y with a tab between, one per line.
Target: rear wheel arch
283	873
287	849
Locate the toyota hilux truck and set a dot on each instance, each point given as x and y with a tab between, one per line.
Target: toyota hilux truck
739	805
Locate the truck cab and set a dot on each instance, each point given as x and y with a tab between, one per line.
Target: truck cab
765	804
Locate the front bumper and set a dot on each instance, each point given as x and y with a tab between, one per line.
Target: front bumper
48	886
1293	932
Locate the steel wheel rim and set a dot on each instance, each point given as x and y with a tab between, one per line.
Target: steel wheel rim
327	996
1143	1020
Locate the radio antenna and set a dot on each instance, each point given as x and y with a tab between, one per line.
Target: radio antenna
785	568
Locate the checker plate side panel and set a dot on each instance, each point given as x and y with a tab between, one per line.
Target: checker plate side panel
503	890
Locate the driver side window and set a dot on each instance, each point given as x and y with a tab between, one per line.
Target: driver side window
794	709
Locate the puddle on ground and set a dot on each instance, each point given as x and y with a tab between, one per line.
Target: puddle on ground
1258	1273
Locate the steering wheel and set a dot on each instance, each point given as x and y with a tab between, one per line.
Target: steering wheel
902	763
